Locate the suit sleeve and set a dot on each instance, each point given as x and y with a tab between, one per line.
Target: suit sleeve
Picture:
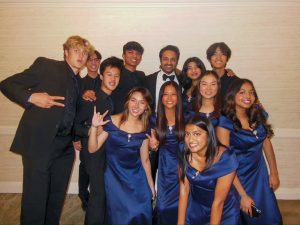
18	87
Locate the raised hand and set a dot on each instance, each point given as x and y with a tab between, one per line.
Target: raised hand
153	142
89	95
44	100
98	118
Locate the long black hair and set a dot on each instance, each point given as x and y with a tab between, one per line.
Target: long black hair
161	120
255	113
212	144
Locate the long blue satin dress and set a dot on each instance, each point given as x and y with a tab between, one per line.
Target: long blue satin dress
128	195
202	191
253	172
167	179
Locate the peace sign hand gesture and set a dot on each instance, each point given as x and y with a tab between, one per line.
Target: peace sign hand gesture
153	142
98	118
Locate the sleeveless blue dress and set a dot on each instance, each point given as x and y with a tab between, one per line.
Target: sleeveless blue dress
202	190
253	172
166	208
128	195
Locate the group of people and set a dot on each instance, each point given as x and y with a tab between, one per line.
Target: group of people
174	147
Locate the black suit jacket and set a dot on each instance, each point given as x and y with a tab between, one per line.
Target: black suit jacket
150	84
38	126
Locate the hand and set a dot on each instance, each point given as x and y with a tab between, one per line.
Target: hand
274	181
77	145
153	142
230	72
98	118
89	95
246	203
153	192
43	100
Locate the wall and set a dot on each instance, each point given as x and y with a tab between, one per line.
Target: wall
263	36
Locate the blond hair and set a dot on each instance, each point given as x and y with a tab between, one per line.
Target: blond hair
78	42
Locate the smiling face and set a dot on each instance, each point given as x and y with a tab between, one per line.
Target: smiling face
132	58
93	64
208	86
196	139
245	97
169	97
76	58
110	79
218	59
137	104
193	71
168	61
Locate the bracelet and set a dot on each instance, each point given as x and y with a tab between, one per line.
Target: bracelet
94	126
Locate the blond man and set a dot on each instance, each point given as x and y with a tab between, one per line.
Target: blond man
48	91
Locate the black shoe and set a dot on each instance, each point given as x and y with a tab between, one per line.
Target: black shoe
84	206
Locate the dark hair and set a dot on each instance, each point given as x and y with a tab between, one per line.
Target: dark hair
161	120
255	112
186	82
133	45
169	48
222	46
198	98
111	62
212	144
98	55
146	115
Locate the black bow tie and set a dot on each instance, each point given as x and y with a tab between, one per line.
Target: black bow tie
171	77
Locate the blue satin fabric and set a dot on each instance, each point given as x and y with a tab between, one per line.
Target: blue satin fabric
167	179
166	208
190	114
202	191
128	194
253	172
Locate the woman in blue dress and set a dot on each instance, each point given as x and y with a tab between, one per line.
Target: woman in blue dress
169	129
128	182
207	97
244	126
207	171
192	69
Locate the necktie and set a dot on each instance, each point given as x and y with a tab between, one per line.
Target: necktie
111	104
171	77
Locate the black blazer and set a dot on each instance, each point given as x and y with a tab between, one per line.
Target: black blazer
38	126
150	84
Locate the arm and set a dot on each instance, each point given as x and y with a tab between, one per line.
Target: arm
246	202
146	165
270	156
222	188
96	141
19	87
183	198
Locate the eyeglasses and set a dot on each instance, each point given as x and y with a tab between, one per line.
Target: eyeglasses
94	60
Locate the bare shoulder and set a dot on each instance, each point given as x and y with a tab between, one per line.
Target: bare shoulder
221	150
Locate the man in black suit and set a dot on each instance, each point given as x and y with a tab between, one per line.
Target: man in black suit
168	56
48	91
94	162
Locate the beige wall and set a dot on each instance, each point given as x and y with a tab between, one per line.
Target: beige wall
263	36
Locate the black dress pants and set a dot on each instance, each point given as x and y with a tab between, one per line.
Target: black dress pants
45	182
95	212
83	178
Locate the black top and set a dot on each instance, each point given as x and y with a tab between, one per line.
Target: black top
89	83
85	111
225	83
128	80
